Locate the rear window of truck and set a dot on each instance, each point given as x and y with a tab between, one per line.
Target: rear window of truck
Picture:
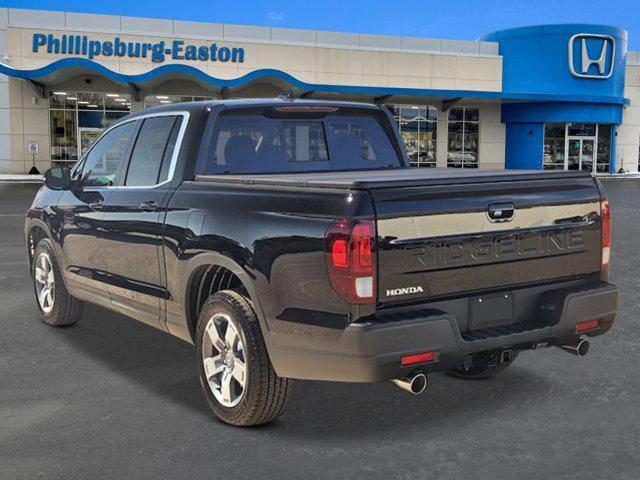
273	142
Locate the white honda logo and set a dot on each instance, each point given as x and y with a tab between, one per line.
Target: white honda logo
403	291
606	48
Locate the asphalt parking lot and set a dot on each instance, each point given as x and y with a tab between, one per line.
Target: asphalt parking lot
113	398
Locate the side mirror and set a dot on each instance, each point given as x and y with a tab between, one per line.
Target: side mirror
58	178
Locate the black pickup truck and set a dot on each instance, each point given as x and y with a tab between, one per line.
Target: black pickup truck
290	240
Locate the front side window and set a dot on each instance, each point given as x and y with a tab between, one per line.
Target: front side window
103	163
153	148
270	142
464	137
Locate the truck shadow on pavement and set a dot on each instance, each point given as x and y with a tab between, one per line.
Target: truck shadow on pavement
317	410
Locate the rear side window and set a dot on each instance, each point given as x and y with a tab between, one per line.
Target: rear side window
264	142
153	150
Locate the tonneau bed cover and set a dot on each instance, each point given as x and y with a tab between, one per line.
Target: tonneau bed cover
397	177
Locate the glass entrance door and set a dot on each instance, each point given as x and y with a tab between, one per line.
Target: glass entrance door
579	154
586	155
572	158
577	146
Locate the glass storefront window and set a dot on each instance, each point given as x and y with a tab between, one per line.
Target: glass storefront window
84	115
604	149
90	100
582	130
418	127
464	137
64	140
157	100
553	150
64	100
117	102
572	146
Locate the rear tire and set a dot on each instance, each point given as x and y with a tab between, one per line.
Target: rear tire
480	366
236	375
57	307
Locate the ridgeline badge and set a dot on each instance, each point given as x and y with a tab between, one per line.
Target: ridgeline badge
157	52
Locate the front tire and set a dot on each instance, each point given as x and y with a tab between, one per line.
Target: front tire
57	307
236	375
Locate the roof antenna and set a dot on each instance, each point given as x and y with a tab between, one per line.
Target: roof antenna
287	96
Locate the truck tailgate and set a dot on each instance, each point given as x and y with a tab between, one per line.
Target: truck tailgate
438	241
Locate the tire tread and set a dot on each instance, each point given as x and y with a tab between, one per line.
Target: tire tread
273	392
67	309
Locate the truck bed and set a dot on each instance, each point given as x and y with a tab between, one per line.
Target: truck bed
435	238
397	177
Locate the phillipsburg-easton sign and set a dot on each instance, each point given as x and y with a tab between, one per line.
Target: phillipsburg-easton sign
157	52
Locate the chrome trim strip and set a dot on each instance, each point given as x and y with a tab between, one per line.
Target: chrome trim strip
476	223
477	236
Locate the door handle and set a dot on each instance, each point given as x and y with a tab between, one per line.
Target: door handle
501	212
99	205
149	206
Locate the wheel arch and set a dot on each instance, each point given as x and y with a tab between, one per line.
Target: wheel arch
36	230
211	272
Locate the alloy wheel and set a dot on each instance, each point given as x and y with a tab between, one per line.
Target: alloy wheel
223	357
45	282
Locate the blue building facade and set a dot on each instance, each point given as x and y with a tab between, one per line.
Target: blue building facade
583	66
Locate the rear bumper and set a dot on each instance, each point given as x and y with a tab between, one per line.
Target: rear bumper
367	352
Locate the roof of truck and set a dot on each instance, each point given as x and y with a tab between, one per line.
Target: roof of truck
253	102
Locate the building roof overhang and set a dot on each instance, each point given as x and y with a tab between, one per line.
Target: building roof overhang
65	69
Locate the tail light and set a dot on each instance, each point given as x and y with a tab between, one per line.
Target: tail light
605	225
351	260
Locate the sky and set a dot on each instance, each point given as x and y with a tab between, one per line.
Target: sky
452	19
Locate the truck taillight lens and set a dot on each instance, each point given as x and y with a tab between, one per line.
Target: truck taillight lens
605	221
351	260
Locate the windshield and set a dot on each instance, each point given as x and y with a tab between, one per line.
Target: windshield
253	142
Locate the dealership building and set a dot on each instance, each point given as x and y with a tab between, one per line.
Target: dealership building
540	97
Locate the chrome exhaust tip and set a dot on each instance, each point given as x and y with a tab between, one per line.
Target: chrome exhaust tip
414	383
579	349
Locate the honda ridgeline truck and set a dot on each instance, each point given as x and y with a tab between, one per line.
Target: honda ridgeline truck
289	239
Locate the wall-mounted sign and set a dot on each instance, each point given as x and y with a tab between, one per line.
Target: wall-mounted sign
33	147
157	52
591	55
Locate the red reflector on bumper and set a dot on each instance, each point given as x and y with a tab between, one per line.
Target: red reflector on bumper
418	358
588	325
